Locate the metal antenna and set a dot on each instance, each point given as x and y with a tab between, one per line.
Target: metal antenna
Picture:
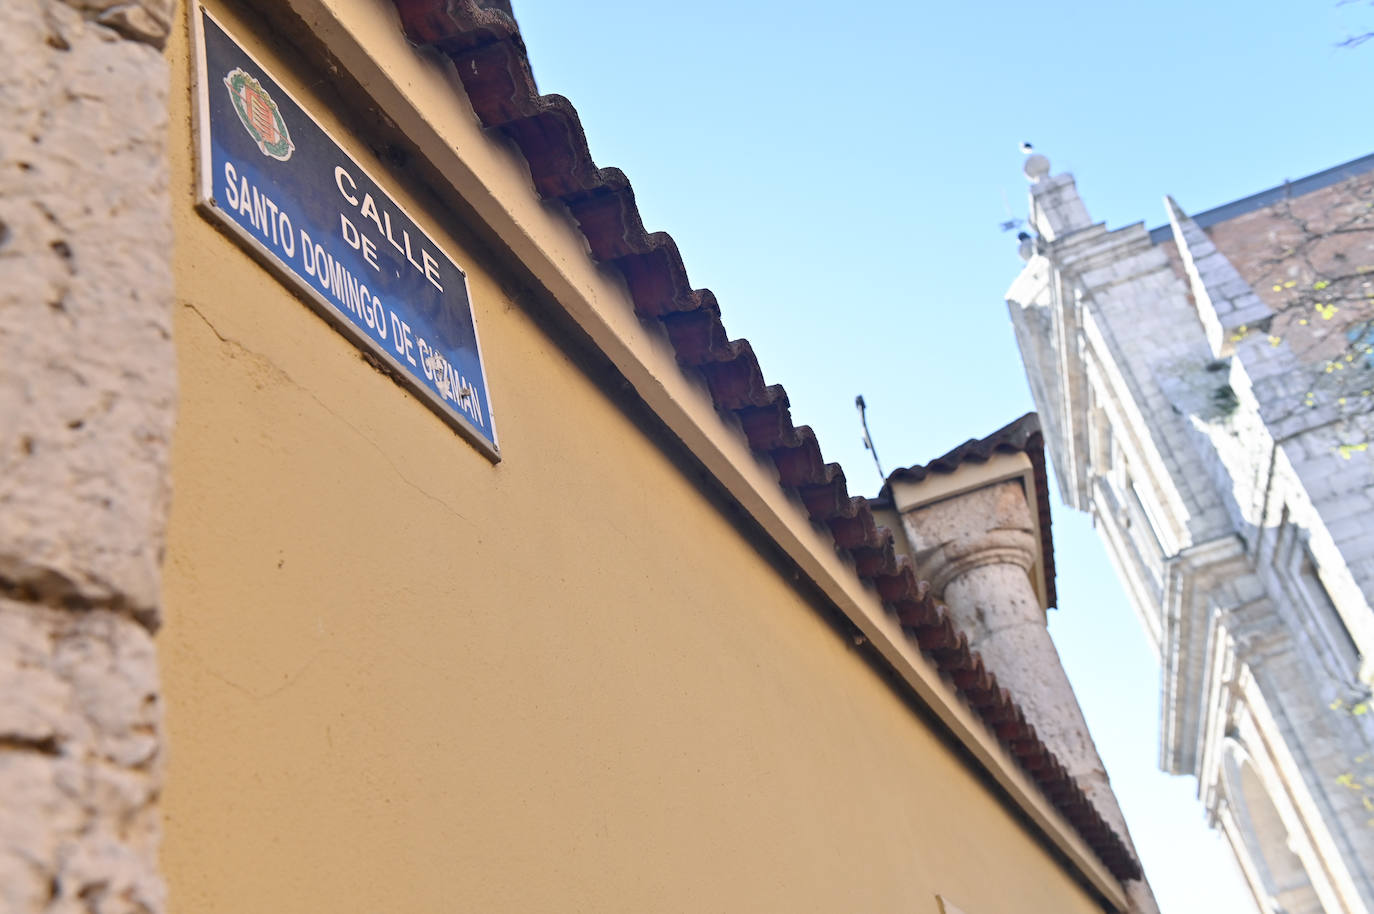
1011	221
868	439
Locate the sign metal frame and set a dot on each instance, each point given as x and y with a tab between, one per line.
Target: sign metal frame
210	208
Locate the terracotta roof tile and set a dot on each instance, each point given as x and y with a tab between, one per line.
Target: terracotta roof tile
483	41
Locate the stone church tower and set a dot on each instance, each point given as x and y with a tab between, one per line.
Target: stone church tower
1205	392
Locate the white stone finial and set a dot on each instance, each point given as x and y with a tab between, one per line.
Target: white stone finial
1037	167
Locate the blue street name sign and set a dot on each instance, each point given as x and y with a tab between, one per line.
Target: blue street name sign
276	180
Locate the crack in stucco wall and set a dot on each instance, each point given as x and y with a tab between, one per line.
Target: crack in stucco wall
280	374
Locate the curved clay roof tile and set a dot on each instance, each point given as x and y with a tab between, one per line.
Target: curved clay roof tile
484	43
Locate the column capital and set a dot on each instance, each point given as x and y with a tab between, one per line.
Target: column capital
955	558
986	526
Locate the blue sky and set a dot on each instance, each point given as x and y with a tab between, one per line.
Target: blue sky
836	176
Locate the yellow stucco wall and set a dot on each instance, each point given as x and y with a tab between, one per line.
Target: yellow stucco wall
401	678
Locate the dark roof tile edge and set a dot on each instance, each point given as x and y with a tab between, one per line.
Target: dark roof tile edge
1269	196
485	45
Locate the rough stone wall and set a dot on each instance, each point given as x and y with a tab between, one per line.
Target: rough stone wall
1301	496
1142	339
87	393
1141	351
1313	420
1325	403
1208	365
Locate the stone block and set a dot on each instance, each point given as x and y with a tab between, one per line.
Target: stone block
80	765
1350	532
1099	277
87	395
1355	546
1234	288
87	370
139	20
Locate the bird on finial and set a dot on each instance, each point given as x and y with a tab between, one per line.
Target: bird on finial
1037	167
1025	246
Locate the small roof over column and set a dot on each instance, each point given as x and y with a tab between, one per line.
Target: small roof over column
1014	452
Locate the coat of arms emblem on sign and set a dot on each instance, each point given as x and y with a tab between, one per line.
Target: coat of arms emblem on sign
260	115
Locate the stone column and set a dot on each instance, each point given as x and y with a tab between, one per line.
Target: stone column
977	550
87	388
